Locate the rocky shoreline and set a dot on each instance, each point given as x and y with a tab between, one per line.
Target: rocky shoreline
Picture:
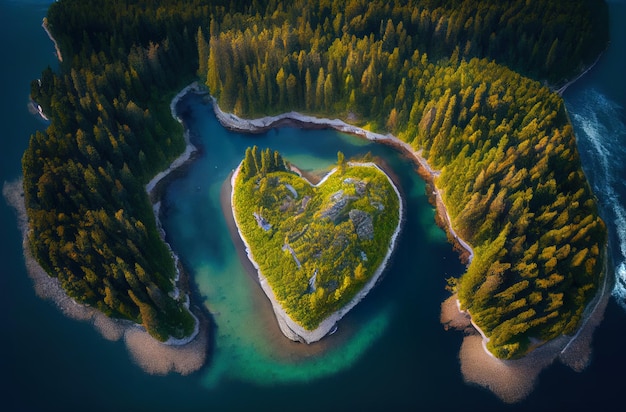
44	24
154	357
154	190
513	380
295	119
145	353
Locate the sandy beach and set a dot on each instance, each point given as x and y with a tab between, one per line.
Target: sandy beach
513	380
152	187
295	119
290	328
286	349
152	356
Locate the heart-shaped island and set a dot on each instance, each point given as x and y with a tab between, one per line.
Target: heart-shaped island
318	249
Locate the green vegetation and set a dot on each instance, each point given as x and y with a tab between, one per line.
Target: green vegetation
353	55
317	245
432	72
510	171
92	224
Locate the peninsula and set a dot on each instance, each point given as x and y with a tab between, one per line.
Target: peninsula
318	249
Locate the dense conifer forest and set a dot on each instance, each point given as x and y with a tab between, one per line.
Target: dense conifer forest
465	83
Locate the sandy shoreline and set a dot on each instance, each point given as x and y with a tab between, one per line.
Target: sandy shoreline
190	149
264	312
44	24
562	89
154	195
259	125
152	356
263	124
287	325
513	380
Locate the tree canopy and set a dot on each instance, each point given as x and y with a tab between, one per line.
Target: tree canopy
463	82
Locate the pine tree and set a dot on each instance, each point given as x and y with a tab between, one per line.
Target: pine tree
341	162
279	163
213	74
203	54
248	168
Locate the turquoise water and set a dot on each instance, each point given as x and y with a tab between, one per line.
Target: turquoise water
390	352
249	345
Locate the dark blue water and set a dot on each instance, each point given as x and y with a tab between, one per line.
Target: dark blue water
390	353
596	105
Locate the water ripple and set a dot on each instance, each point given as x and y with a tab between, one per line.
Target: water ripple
601	132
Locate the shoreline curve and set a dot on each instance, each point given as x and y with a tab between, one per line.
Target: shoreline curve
263	124
182	356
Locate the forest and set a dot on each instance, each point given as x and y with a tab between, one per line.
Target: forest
92	225
509	171
316	245
467	84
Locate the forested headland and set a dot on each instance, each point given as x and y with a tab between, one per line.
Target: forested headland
465	83
91	222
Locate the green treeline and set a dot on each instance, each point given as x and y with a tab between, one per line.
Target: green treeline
260	163
305	239
312	55
425	70
510	171
92	224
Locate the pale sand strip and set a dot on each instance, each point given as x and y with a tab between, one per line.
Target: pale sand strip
232	122
562	89
265	317
180	161
513	380
290	328
510	380
44	24
189	147
154	357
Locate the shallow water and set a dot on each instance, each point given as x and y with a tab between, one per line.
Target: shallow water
249	345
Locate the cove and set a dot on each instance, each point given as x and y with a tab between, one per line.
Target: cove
248	343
